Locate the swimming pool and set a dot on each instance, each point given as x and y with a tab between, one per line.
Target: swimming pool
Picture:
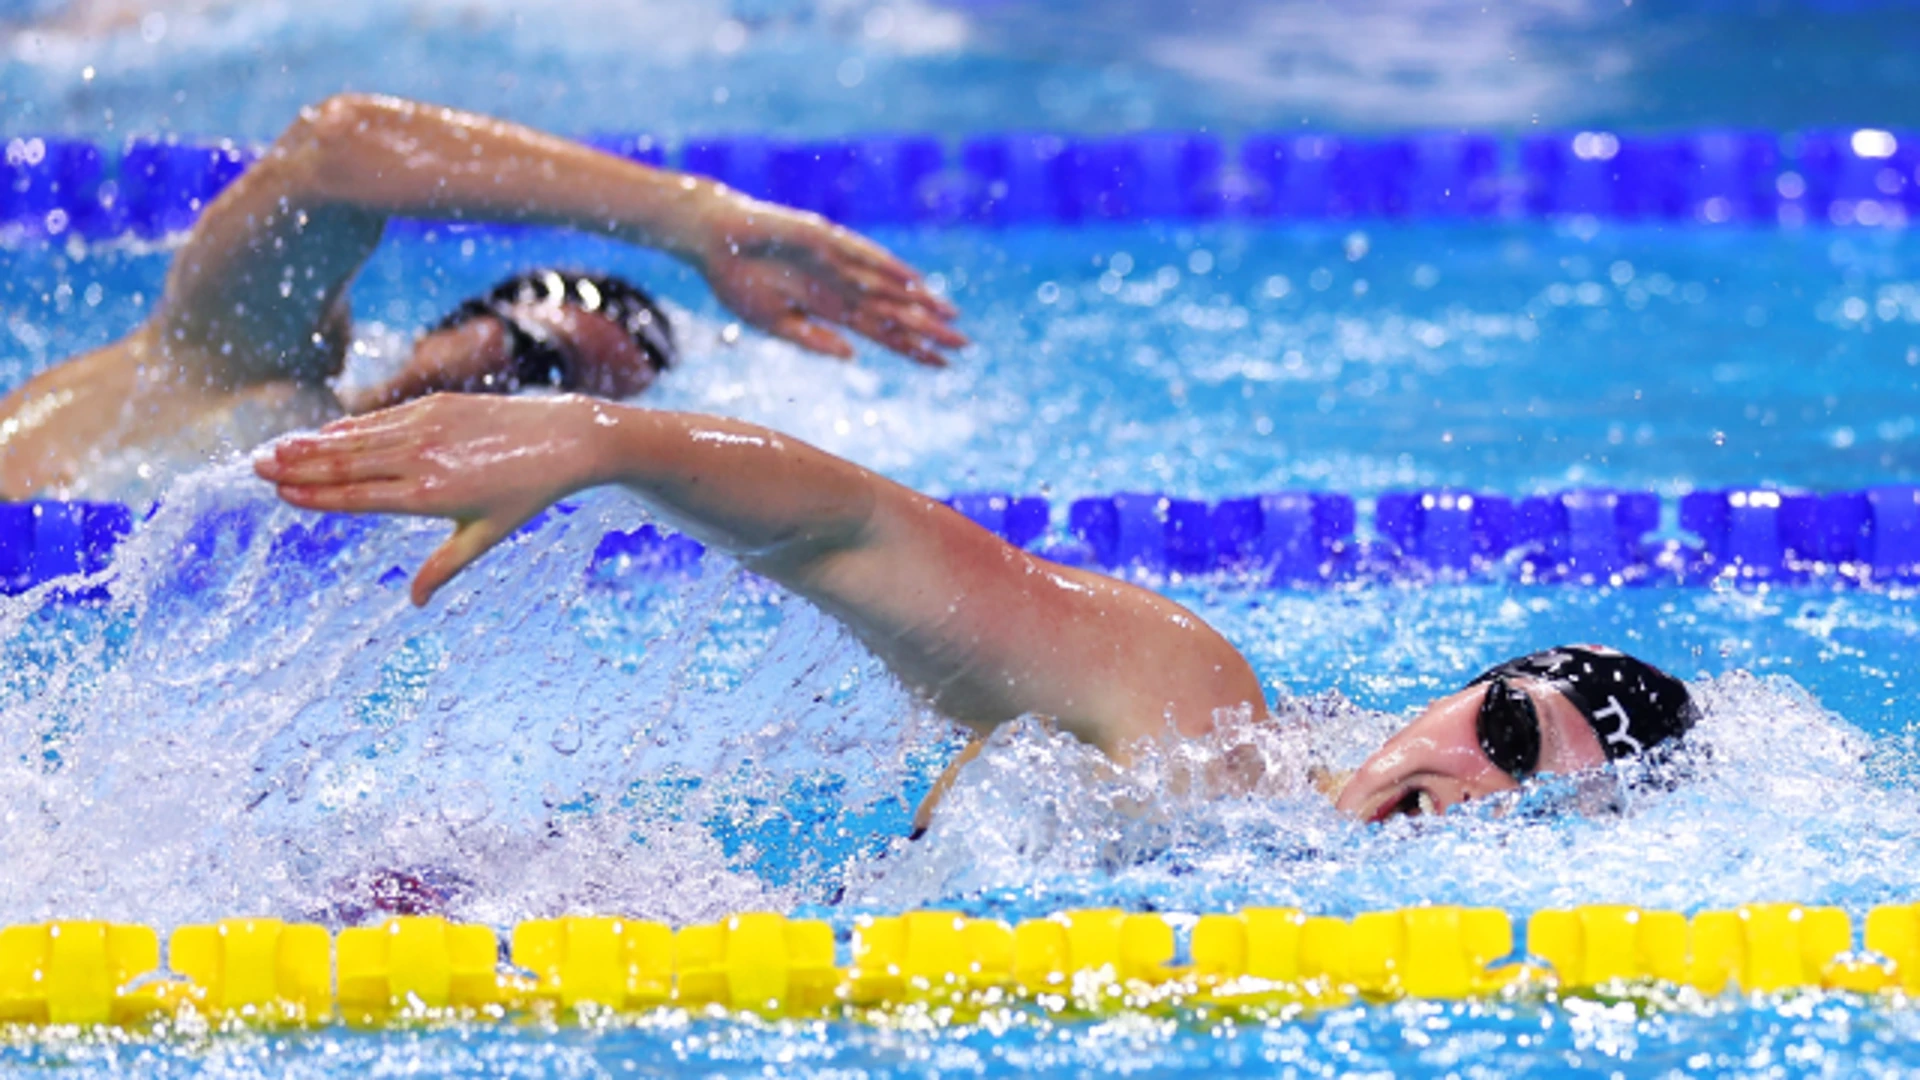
240	731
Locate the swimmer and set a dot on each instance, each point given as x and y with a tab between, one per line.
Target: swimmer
982	631
254	320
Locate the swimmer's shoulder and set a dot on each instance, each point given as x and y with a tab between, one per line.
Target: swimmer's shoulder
56	421
74	427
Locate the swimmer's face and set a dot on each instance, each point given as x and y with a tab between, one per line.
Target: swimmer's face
603	359
1436	763
607	361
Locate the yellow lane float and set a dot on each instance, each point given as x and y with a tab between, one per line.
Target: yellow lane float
265	971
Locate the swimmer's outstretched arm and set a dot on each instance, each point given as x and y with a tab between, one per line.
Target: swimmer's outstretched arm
984	631
258	287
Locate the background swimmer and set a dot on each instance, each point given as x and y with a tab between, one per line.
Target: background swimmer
254	320
590	332
983	631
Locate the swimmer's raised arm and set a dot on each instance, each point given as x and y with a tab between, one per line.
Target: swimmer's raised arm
984	631
255	306
258	288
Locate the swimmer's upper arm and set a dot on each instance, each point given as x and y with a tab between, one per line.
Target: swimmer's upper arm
257	291
988	632
266	268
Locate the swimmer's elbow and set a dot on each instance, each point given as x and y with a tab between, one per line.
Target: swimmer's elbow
339	120
326	146
1215	677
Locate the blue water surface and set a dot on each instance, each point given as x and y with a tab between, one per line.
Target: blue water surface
235	730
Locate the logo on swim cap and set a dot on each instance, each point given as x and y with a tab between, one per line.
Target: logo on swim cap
1632	705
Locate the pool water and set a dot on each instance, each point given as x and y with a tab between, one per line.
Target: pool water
1767	1040
238	731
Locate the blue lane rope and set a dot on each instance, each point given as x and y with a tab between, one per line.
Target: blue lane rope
1590	536
51	186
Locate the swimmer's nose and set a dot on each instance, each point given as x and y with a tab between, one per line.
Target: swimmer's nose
1372	790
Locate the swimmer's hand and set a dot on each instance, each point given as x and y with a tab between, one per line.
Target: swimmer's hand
792	273
489	464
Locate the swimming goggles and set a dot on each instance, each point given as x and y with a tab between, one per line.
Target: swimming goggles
1509	728
1631	705
537	358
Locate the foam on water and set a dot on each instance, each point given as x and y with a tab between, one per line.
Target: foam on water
237	731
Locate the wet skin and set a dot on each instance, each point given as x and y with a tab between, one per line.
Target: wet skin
1436	763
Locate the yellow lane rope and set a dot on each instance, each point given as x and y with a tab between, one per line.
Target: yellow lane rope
1262	961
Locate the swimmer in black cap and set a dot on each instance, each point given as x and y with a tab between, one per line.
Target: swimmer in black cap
1561	710
985	632
594	333
253	327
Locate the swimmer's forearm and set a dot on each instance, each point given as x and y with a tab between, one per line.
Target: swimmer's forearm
770	499
406	159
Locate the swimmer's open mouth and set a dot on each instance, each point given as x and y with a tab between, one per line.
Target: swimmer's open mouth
1416	802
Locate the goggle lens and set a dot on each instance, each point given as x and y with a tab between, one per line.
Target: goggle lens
1509	729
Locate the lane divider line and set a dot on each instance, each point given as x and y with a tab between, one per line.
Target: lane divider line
149	187
1601	537
1257	962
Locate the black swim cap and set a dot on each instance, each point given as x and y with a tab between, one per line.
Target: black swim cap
1632	705
536	359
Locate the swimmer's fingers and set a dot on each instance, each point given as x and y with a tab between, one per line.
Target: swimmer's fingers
795	302
383	433
871	257
869	266
470	540
888	268
909	333
391	496
829	242
908	345
910	296
309	466
920	321
808	334
905	326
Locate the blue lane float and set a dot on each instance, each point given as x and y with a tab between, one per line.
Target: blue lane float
1765	534
45	541
1595	537
51	186
54	186
1710	177
1318	176
163	186
1296	537
1861	177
